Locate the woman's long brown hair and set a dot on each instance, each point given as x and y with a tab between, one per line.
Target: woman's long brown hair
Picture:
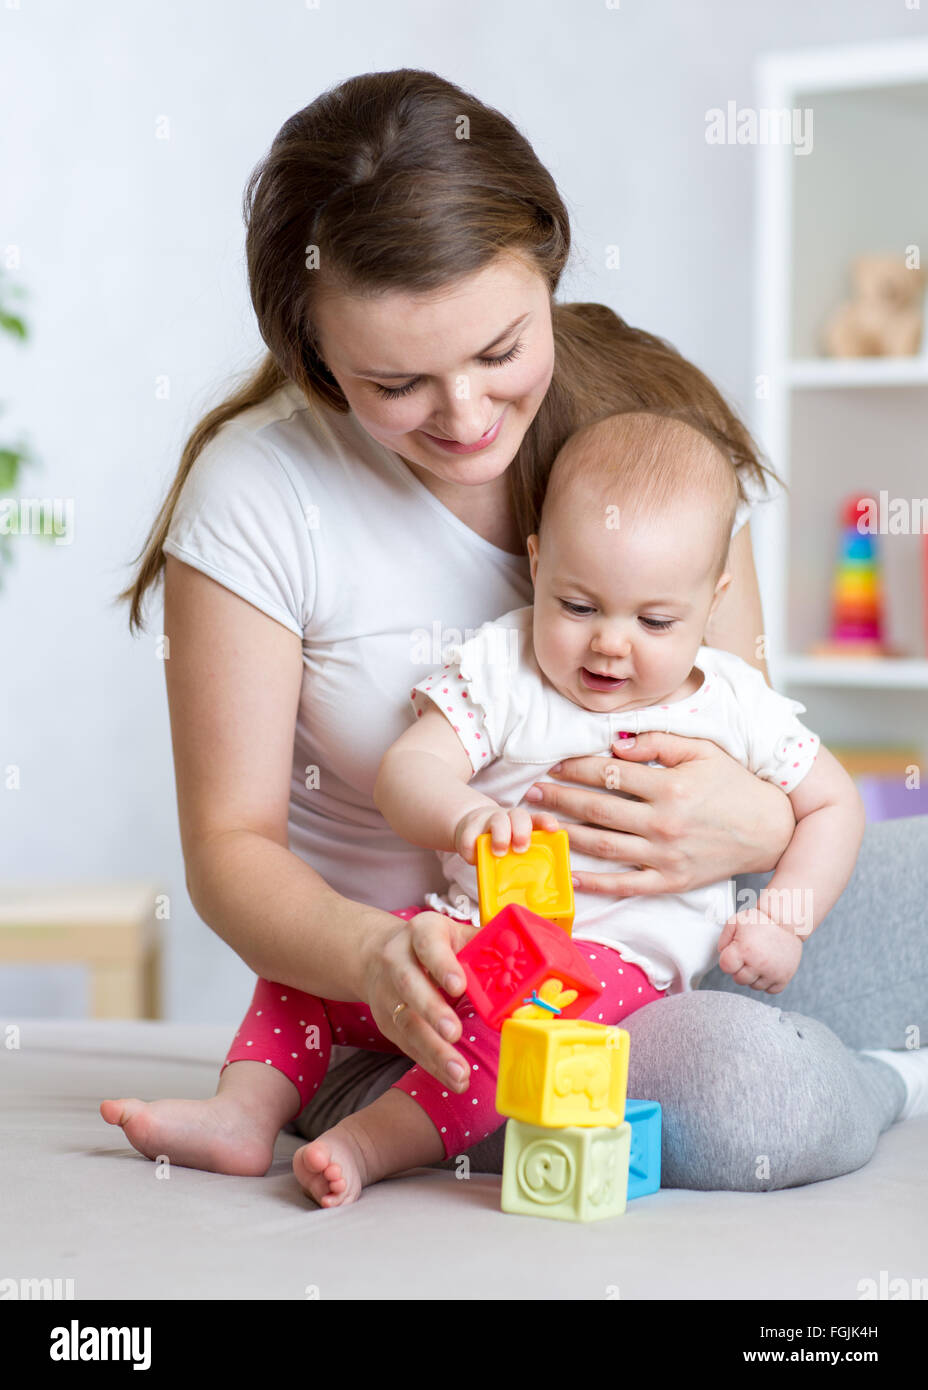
403	181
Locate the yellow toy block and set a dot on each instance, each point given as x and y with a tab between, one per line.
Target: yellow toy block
538	878
562	1071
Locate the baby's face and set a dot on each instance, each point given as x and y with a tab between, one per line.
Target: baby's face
620	613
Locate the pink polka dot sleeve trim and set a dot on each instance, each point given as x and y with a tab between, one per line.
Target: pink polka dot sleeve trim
795	756
779	747
451	692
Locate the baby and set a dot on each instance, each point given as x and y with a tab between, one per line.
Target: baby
628	565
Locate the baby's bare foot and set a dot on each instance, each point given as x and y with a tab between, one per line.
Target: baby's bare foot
218	1134
333	1168
388	1136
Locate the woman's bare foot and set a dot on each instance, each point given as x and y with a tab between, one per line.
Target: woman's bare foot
232	1132
386	1137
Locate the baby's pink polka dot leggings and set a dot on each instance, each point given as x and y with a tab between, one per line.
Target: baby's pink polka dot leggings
294	1032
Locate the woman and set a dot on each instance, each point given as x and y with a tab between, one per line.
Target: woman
358	504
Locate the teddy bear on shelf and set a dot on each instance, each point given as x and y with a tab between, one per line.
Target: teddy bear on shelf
884	319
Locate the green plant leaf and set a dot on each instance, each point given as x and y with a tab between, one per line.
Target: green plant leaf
10	460
13	325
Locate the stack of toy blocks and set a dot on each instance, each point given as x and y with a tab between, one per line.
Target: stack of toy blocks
575	1149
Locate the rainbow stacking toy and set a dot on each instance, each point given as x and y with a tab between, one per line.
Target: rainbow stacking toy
575	1149
856	591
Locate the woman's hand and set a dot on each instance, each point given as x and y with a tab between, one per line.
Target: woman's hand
402	964
701	816
513	827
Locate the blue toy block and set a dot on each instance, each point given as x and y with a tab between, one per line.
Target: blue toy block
644	1161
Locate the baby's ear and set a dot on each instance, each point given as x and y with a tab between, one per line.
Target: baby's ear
723	582
532	546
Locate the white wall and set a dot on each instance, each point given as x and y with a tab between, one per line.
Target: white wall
131	250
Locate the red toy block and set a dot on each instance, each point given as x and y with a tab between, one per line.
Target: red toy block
513	955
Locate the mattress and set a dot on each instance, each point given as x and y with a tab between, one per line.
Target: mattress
79	1204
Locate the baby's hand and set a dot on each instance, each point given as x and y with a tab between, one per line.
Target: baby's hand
505	827
756	951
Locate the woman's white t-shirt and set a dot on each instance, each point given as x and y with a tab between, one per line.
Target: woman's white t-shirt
298	510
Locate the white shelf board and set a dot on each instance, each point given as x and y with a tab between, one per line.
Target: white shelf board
833	372
885	672
846	66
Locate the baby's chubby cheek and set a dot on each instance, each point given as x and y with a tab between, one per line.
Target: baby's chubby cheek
556	658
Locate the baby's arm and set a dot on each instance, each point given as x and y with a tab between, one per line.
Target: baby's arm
761	946
422	792
815	868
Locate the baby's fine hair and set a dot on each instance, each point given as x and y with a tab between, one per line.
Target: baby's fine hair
643	461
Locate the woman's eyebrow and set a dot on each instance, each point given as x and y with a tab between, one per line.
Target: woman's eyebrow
399	376
505	334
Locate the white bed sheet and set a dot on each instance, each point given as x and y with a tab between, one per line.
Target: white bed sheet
77	1202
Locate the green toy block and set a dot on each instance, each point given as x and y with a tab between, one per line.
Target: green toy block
579	1173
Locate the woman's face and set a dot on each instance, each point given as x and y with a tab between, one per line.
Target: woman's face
451	380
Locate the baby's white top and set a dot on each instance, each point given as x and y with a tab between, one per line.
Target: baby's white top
301	513
515	726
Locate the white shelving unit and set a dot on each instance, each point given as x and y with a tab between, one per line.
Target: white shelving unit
857	372
835	427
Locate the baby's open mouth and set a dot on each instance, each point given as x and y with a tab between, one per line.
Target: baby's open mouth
597	682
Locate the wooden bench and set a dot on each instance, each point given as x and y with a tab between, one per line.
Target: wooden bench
112	928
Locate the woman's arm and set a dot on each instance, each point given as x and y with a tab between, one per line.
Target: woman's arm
233	681
234	677
701	816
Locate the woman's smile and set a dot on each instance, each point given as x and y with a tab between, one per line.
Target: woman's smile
453	447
